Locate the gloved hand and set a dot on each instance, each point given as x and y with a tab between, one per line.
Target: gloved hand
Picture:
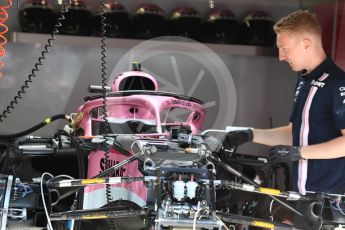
239	137
284	153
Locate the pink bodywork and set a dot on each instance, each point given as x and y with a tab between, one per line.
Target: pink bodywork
117	81
144	107
147	107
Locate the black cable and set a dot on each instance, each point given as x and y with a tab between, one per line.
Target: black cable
46	189
47	121
104	84
78	201
32	75
79	194
104	104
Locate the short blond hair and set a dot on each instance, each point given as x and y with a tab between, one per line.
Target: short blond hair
298	21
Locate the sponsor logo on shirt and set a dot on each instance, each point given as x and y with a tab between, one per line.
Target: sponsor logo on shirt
298	90
342	92
318	84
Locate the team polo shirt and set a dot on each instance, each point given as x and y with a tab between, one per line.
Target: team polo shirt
318	115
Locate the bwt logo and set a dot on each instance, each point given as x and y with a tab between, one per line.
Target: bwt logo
318	83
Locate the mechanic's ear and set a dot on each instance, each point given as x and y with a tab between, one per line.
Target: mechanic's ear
307	43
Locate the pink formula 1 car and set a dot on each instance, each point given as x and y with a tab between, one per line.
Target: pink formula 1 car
148	168
135	109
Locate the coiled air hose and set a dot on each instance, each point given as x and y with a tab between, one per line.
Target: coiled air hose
37	65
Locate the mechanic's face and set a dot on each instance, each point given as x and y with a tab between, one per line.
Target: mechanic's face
291	50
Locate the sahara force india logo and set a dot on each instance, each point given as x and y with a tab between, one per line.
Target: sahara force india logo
105	164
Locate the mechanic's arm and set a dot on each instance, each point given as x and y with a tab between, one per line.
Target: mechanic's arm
277	136
331	149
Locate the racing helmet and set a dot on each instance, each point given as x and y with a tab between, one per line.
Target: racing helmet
257	29
37	16
78	19
185	22
117	20
221	26
148	21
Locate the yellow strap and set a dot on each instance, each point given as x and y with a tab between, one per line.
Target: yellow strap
262	224
93	217
92	181
270	191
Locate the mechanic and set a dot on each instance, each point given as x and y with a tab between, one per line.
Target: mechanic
314	139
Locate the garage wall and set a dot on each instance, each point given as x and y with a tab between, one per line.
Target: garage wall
262	97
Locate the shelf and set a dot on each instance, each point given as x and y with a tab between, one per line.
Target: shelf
276	3
67	40
130	4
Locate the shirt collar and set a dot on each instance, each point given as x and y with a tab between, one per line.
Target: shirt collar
319	70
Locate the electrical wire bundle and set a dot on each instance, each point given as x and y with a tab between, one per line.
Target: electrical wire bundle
48	207
338	205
